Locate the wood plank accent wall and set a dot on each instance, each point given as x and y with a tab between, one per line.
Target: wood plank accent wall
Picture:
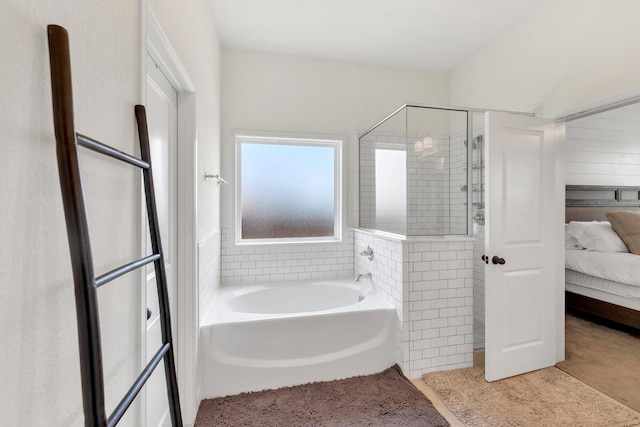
604	149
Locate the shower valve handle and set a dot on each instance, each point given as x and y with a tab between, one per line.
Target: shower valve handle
368	252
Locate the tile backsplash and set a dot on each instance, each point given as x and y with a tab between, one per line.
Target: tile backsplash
251	264
208	271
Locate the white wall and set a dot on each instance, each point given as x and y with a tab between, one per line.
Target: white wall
39	364
40	367
604	149
297	94
568	53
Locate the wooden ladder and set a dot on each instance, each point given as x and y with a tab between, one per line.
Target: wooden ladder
85	281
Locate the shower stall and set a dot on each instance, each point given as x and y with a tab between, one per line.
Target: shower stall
421	176
414	172
427	176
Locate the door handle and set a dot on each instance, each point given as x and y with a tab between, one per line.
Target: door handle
497	260
485	259
148	313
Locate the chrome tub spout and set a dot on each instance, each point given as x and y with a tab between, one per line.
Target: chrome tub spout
363	275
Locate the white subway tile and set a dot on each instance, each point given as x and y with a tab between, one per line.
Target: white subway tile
430	275
439	361
438	322
456	302
456	264
448	331
431	315
421	364
447	293
420	344
448	351
419	325
448	255
465	329
440	246
439	265
455	359
417	305
448	274
415	315
439	303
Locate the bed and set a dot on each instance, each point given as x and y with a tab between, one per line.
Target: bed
602	282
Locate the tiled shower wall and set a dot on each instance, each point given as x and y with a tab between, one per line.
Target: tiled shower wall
430	282
435	194
276	263
428	189
208	271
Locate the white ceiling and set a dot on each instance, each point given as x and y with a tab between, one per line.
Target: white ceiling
423	34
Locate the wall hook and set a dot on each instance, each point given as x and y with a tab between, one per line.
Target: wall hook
221	180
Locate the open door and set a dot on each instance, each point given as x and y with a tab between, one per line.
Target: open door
521	247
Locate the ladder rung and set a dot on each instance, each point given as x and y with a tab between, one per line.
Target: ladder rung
137	386
114	274
101	148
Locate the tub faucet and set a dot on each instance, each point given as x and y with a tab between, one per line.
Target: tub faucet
361	275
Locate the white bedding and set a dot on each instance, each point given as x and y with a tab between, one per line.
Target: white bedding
618	267
602	289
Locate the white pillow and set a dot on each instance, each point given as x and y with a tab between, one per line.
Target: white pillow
571	242
596	236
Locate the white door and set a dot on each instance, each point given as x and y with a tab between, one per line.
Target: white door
521	231
161	106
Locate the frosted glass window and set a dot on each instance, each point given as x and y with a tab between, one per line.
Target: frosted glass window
288	190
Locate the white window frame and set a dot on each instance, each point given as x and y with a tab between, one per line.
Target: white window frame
335	142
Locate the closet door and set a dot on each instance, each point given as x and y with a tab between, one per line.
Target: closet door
162	114
522	245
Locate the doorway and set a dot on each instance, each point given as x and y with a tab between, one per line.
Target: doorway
154	44
603	159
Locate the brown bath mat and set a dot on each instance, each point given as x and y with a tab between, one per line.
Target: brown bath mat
384	399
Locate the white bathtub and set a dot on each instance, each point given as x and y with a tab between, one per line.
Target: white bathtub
264	336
